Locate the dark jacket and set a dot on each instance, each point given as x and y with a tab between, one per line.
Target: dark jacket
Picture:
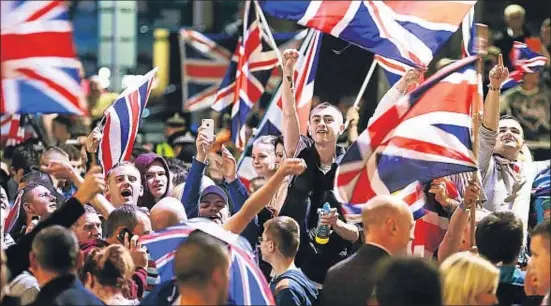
298	289
350	282
66	290
18	254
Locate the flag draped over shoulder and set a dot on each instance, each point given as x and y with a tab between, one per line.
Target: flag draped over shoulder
410	32
122	120
272	122
247	283
425	135
39	68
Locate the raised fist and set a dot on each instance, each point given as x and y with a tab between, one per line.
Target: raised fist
290	57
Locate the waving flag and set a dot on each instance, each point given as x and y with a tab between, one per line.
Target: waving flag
247	283
410	32
468	30
525	61
39	69
122	120
12	133
205	60
414	139
272	121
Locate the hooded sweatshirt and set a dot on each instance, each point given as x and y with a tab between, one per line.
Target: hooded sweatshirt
299	290
143	162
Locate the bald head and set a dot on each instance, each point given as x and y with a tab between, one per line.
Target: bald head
388	222
167	212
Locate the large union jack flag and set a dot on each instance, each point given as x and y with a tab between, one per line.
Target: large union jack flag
414	139
271	123
122	120
407	31
525	61
39	69
247	283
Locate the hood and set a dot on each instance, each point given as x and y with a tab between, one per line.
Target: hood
142	162
300	278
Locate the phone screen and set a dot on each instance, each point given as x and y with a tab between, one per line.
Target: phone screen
122	233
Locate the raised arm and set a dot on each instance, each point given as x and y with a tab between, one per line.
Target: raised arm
192	189
237	191
291	125
257	200
498	74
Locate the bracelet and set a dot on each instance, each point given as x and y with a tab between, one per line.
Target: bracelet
492	88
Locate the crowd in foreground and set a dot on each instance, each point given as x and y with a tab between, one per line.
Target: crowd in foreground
74	235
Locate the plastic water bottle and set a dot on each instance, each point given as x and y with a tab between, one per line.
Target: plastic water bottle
322	231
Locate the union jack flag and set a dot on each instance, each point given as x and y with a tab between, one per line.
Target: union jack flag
414	139
407	31
122	120
271	123
394	70
12	133
525	61
468	30
247	283
40	73
206	58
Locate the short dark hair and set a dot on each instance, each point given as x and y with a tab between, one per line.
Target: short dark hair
24	157
125	216
198	257
56	249
37	176
407	281
285	233
507	117
499	237
65	121
544	230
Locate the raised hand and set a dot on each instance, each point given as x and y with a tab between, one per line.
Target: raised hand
499	73
292	166
93	184
411	77
137	251
203	144
472	194
290	57
59	169
438	188
353	115
228	165
92	142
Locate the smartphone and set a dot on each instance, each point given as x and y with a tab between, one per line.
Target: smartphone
208	124
35	218
122	233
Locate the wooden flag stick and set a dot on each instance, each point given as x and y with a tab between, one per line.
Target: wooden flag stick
481	48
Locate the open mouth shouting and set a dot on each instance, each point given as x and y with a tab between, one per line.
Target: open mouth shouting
126	193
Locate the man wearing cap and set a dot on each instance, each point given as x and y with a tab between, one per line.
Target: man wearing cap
175	126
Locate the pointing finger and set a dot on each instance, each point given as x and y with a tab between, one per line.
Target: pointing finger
500	60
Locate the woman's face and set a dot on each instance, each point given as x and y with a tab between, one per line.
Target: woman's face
157	179
280	153
264	159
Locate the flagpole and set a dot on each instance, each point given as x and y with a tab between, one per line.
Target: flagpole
363	88
481	50
268	32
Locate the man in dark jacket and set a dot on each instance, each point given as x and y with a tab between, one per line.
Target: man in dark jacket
53	259
388	226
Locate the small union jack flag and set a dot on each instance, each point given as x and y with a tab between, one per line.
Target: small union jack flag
39	69
122	120
11	130
525	61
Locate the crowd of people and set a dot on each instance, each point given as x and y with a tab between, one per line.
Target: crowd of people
71	233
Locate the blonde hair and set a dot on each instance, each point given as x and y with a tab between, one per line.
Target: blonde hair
514	9
465	276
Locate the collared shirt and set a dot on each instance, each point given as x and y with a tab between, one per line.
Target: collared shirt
380	247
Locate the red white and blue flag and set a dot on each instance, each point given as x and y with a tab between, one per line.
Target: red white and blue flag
39	69
11	131
122	120
248	74
205	61
468	30
410	32
414	139
525	61
272	122
247	283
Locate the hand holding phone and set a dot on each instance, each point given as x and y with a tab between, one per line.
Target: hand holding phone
208	126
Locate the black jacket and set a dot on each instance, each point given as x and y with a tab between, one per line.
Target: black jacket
350	282
65	290
18	254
